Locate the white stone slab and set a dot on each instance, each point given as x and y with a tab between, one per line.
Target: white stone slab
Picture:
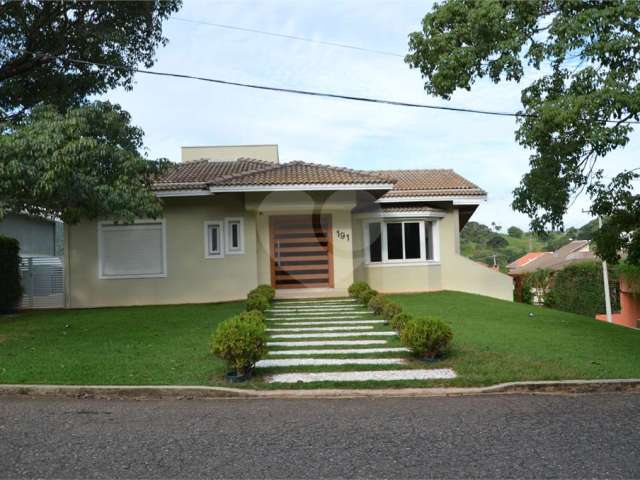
279	308
327	343
377	375
320	313
339	351
303	362
329	300
332	317
338	334
319	329
327	322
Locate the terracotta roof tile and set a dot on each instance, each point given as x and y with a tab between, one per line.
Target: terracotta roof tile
429	182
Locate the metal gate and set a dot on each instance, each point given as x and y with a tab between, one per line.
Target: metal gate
42	282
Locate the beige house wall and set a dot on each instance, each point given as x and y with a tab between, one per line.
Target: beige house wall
191	278
230	153
451	272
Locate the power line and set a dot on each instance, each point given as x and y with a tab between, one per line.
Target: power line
302	92
289	37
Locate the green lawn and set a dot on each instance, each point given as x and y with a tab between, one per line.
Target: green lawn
494	341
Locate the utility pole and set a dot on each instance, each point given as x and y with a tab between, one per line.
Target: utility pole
605	276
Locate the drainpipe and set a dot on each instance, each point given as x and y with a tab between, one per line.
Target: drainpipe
605	276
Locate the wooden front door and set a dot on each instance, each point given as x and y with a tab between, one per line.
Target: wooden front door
301	251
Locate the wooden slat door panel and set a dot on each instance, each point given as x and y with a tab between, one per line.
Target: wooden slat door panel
301	251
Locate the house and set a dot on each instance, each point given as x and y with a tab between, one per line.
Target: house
233	221
573	252
38	237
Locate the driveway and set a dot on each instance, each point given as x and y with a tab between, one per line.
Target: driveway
484	436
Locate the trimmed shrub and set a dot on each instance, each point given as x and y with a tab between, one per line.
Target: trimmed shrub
367	295
257	301
265	290
398	321
426	337
253	316
10	287
579	289
376	304
390	309
356	288
240	343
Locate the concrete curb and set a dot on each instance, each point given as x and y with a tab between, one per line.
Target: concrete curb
196	392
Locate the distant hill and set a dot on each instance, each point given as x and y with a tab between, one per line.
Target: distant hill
480	242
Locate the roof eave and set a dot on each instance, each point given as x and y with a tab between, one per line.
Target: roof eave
299	187
455	199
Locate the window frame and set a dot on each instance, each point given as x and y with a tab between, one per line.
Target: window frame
229	249
207	239
101	227
385	261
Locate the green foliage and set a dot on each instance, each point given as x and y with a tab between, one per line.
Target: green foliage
257	301
390	309
266	291
376	303
356	288
83	164
515	232
631	275
398	321
10	287
253	316
574	113
579	289
240	343
497	241
33	33
540	282
426	337
366	295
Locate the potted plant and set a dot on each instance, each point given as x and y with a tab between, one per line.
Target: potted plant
427	337
240	342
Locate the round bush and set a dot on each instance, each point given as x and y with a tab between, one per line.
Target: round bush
253	316
240	343
357	288
256	301
426	337
266	290
367	295
398	321
377	304
390	309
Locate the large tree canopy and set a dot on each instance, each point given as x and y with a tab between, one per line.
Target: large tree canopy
59	154
35	37
575	113
83	164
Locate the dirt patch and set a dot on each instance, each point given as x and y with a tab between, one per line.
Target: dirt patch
4	338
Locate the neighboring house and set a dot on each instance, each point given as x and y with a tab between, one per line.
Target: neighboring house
231	223
573	252
38	237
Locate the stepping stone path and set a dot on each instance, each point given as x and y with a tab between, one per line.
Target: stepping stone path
339	335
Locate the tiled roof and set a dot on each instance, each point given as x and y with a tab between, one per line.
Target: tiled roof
395	208
529	257
565	255
302	173
429	182
202	174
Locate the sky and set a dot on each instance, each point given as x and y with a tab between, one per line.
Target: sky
175	112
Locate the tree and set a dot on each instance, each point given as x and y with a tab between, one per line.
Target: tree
515	232
497	241
59	154
576	112
38	38
81	164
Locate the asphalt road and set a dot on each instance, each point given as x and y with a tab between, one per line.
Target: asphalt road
484	436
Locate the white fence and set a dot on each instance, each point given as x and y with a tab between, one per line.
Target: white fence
42	282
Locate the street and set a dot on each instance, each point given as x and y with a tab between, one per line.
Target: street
484	436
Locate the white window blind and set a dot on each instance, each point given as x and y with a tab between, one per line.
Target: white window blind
136	250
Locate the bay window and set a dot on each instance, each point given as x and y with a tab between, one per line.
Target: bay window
399	241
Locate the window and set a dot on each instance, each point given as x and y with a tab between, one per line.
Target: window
235	235
132	251
213	239
399	241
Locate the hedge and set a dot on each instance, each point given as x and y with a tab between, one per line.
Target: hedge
579	289
10	287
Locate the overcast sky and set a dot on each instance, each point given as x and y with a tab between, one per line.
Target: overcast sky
175	112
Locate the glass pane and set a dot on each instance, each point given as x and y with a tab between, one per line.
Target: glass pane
412	240
394	241
375	239
428	243
235	242
213	239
